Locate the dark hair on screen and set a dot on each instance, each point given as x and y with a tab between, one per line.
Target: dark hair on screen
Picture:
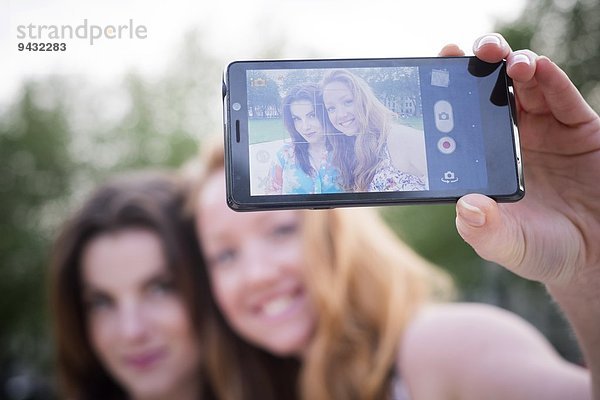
150	200
308	92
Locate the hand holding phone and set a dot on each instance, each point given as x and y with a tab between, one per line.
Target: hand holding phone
332	133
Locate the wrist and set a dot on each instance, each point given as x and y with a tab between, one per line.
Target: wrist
584	287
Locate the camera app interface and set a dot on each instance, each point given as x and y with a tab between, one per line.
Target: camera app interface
380	129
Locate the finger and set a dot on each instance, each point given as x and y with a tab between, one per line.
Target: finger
521	64
493	234
451	50
491	48
562	97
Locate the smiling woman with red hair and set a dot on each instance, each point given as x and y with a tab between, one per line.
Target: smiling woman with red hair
338	292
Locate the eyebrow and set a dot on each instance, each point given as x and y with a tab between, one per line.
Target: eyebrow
166	274
345	96
305	115
89	289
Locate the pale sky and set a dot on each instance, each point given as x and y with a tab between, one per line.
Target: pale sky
238	30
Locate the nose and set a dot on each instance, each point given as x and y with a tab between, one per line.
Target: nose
133	324
335	116
261	269
305	125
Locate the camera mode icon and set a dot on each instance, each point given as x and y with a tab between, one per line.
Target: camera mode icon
449	177
444	119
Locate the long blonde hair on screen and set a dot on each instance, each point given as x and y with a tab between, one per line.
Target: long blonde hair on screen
366	285
373	119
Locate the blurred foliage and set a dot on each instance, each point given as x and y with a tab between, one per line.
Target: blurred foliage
60	137
63	134
568	32
34	171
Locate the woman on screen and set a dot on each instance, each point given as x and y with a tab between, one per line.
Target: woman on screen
304	166
387	156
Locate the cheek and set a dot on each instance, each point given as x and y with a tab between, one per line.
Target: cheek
290	257
101	333
225	288
173	326
297	261
171	316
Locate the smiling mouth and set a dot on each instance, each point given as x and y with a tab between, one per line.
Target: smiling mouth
146	360
281	305
346	123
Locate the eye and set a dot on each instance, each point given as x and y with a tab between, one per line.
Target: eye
330	110
295	119
349	102
284	230
97	302
222	258
161	286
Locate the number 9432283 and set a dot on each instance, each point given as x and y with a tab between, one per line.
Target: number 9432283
33	46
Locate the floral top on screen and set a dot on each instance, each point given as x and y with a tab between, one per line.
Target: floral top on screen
388	178
286	176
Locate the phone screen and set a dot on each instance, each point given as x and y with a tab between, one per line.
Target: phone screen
370	131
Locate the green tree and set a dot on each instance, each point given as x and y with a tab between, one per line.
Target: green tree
567	31
58	139
35	171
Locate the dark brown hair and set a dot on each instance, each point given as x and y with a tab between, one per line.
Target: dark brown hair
149	200
311	93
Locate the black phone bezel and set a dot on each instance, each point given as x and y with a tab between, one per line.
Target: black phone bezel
507	183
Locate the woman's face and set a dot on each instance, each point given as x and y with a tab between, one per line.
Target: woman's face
306	122
256	266
340	106
137	321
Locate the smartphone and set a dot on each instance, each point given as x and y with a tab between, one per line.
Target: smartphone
367	132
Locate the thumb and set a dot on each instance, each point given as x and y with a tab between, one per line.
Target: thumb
493	233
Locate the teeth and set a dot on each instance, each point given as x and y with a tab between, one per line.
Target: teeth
277	306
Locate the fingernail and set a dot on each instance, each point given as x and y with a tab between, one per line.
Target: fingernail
471	214
490	39
518	59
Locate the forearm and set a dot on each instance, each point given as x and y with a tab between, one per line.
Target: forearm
581	305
